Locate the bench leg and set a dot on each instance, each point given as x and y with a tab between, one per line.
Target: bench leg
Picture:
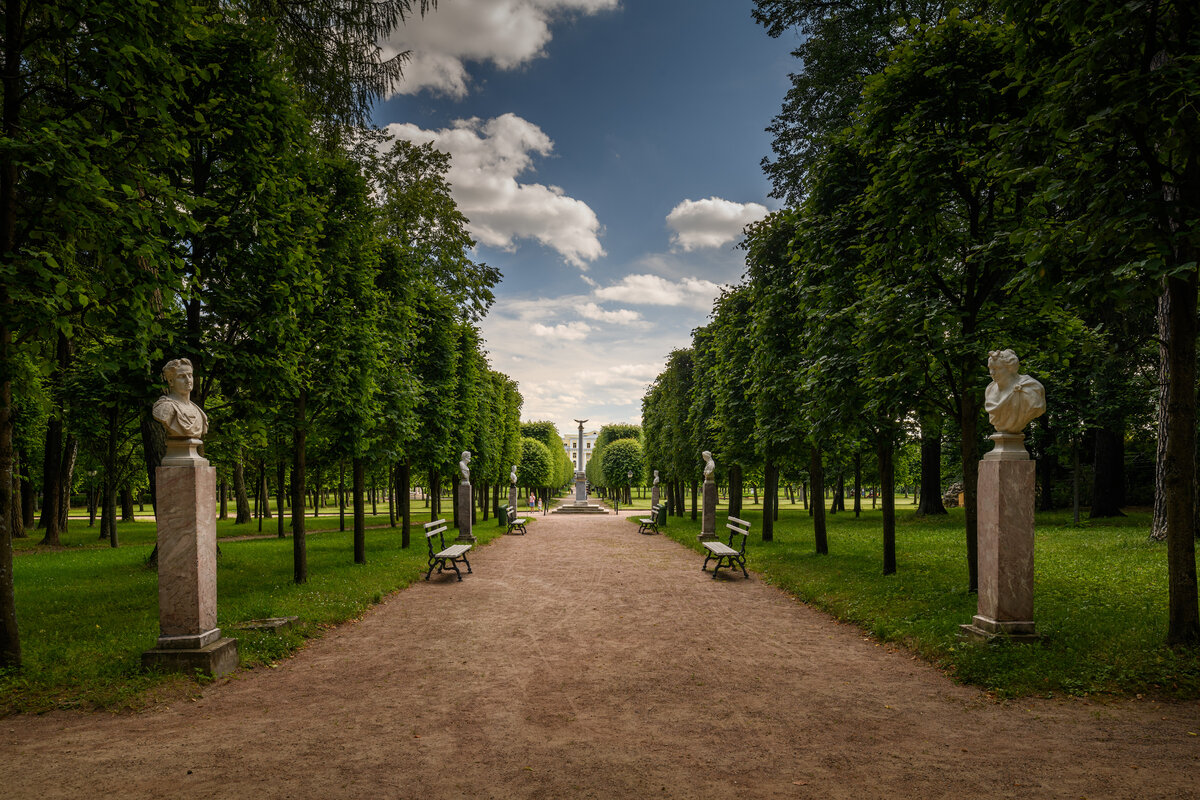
430	572
706	560
468	563
455	568
717	567
742	564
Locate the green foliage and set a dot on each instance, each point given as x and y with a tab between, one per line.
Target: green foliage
536	466
546	432
619	459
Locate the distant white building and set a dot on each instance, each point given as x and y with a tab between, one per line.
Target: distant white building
571	445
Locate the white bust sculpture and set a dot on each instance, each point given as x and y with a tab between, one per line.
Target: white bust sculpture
513	476
463	468
182	418
710	466
1011	400
656	477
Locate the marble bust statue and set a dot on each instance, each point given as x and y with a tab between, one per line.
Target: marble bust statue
1011	399
463	468
513	476
656	477
710	466
181	418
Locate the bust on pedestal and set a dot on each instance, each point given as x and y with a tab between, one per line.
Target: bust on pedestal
654	493
512	490
465	500
708	520
1006	496
187	539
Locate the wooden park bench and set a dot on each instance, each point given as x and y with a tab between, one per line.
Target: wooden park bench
515	523
447	557
725	554
658	515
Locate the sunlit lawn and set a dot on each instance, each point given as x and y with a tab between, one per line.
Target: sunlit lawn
1100	597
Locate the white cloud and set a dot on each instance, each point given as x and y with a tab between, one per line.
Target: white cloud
619	316
570	331
508	33
486	159
710	223
654	290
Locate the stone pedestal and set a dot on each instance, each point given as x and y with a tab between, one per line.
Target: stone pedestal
512	499
654	495
187	572
1006	497
708	520
464	513
580	488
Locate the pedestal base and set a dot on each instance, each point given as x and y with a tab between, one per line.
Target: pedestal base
214	659
984	629
654	496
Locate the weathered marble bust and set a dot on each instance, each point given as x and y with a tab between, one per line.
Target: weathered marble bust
1012	400
182	418
710	466
513	476
656	477
463	468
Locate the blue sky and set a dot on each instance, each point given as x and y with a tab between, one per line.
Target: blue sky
607	154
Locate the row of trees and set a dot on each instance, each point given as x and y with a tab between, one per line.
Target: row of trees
964	178
200	180
617	461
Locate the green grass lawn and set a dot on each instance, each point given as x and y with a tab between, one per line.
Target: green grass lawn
1100	598
86	614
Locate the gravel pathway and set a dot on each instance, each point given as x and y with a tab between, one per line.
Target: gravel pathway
586	660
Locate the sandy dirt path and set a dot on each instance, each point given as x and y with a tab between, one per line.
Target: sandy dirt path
586	660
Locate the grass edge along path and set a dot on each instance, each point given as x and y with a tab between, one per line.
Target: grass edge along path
87	614
1100	598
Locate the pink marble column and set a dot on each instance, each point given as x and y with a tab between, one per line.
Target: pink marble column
1005	554
187	573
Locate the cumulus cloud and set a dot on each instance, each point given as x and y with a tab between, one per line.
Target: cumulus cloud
620	316
486	159
507	33
712	222
570	331
655	290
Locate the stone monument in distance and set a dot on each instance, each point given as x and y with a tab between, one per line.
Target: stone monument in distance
580	475
654	494
1006	497
708	520
512	490
465	499
186	520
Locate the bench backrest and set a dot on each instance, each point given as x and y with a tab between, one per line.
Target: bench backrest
735	527
432	529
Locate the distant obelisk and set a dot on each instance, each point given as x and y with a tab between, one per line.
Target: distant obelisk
580	475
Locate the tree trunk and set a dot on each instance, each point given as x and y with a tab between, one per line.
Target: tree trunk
10	637
154	446
264	489
1048	468
239	492
432	493
857	484
839	494
299	443
931	468
402	490
374	498
360	521
342	496
28	512
223	501
735	490
280	493
393	497
1108	473
127	514
454	503
52	470
968	422
887	480
816	474
1075	481
16	518
770	500
1179	462
66	480
695	492
804	496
